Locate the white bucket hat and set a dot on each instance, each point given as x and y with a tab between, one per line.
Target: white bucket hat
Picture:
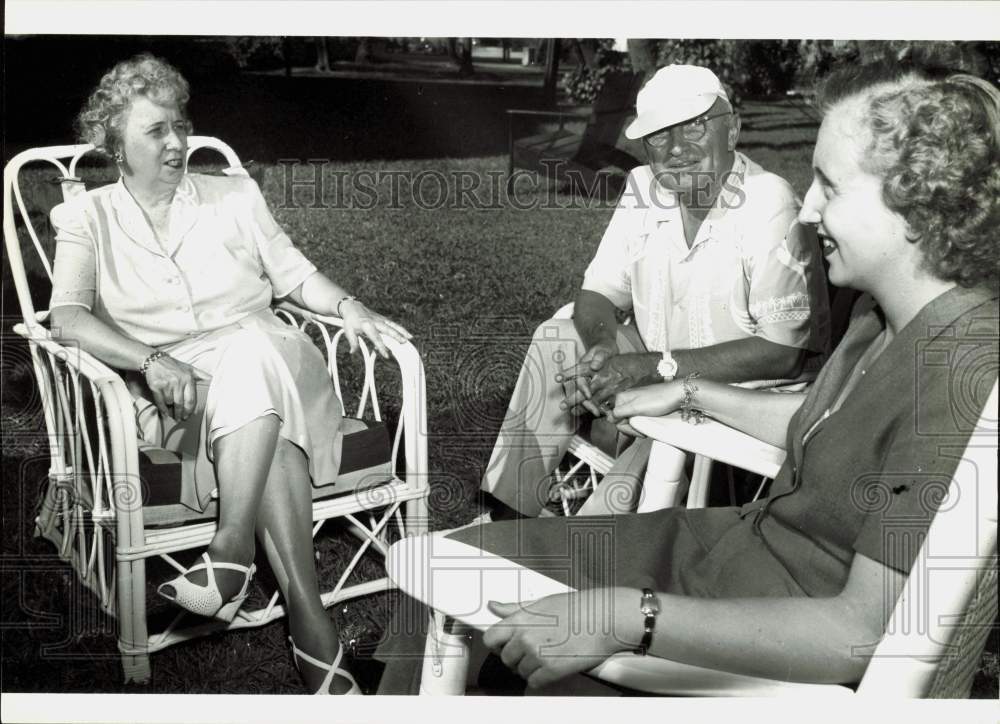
675	94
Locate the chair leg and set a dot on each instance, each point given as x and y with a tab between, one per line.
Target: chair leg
700	478
45	522
133	634
136	668
665	480
417	516
446	658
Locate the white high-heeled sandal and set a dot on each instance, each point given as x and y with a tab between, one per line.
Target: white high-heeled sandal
206	600
331	669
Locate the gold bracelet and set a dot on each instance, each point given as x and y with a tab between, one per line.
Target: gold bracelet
688	412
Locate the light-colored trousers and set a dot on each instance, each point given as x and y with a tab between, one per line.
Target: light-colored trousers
536	432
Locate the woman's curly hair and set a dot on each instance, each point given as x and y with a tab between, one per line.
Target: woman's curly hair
100	121
934	139
936	147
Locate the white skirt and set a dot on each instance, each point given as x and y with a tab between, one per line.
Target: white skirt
258	366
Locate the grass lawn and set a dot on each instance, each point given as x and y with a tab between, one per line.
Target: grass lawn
470	277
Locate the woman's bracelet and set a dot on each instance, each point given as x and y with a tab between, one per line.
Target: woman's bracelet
345	299
689	413
156	354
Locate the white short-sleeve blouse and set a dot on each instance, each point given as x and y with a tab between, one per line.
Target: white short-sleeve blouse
225	257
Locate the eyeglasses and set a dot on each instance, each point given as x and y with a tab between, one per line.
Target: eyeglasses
692	131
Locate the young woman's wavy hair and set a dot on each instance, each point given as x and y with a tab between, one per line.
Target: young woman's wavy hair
102	118
934	139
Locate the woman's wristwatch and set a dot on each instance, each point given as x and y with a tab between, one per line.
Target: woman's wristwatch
649	606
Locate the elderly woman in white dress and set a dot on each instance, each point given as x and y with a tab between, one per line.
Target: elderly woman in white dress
170	276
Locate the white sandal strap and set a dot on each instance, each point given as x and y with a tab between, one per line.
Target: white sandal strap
209	572
209	567
332	669
221	564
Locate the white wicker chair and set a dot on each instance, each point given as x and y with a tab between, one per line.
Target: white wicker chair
932	644
94	510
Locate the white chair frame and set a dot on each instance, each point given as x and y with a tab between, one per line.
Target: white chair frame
932	642
93	481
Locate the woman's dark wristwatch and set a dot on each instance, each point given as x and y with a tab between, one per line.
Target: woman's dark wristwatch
649	606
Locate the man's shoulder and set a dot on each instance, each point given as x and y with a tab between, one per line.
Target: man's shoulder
766	189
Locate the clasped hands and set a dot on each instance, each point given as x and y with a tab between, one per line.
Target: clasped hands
619	386
601	374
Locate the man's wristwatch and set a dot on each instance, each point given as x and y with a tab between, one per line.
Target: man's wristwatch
649	606
667	367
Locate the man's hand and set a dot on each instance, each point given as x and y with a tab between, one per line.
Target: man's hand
173	384
564	634
592	361
623	372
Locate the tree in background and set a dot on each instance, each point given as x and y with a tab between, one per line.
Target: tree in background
460	50
642	56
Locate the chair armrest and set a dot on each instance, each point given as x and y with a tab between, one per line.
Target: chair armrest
112	441
404	353
458	579
654	675
413	413
83	362
713	440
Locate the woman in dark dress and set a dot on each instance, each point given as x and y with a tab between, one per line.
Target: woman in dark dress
904	198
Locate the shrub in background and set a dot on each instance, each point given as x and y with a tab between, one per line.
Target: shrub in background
773	67
256	52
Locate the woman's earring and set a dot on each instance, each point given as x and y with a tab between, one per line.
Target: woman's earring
119	157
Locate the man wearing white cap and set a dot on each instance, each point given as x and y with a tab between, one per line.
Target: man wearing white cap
705	252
